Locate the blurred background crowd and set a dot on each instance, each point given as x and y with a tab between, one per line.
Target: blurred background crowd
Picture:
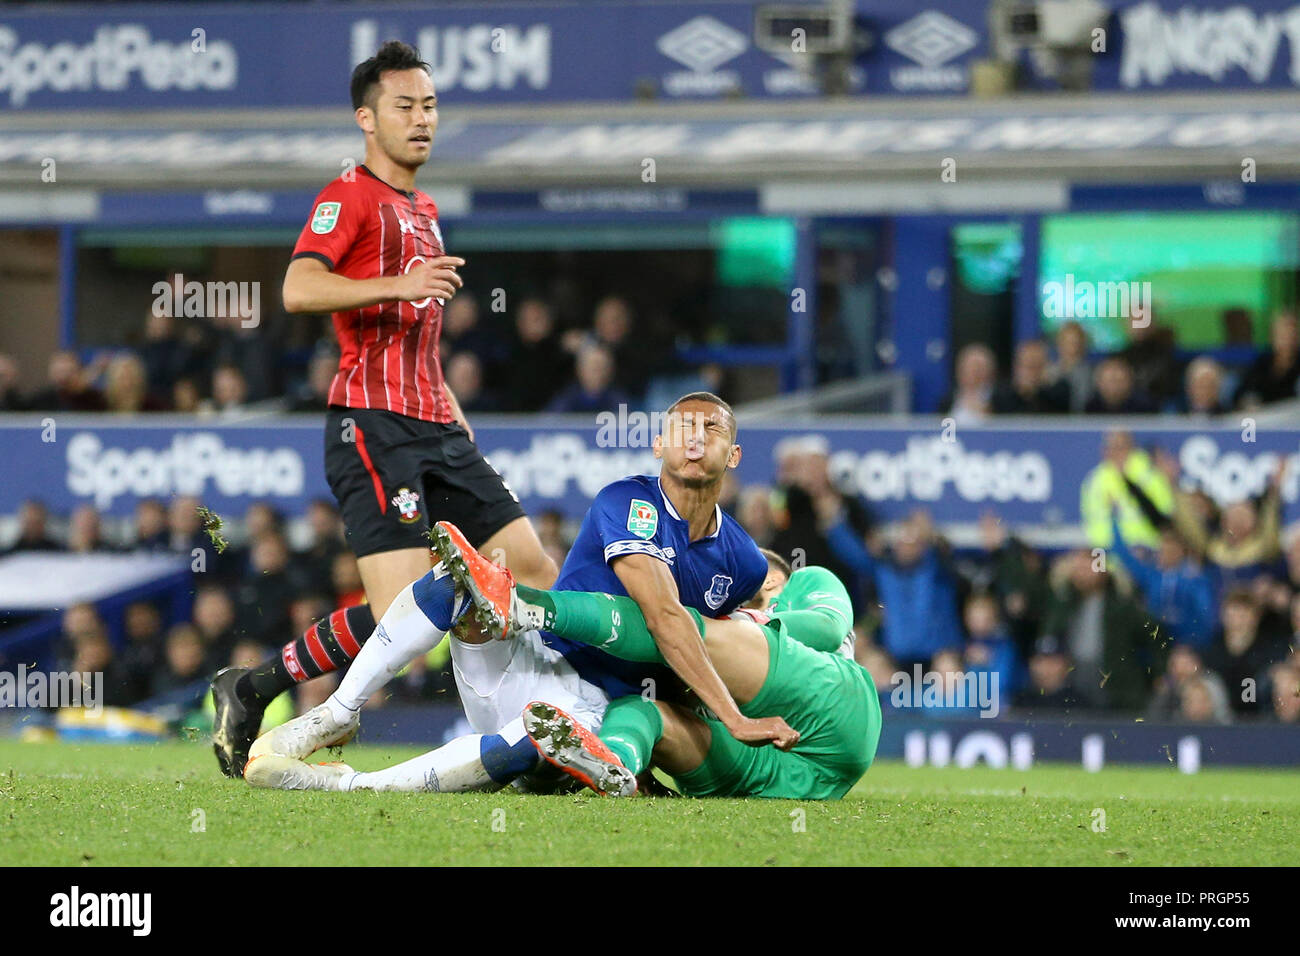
788	256
521	361
526	360
1148	376
1180	610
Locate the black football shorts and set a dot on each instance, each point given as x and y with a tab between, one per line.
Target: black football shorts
396	476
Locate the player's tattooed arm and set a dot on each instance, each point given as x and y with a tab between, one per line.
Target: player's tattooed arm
649	582
310	286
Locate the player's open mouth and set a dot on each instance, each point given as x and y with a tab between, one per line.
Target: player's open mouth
421	138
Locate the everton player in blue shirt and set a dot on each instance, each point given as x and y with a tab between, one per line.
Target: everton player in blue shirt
663	541
635	541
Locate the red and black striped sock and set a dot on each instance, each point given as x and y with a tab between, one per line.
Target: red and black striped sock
329	644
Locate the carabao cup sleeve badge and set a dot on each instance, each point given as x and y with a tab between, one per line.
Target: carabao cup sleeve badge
642	519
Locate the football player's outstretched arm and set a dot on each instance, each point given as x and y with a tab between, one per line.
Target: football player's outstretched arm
649	582
309	286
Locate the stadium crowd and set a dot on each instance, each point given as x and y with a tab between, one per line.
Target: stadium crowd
1181	612
527	360
1176	609
1146	377
1189	612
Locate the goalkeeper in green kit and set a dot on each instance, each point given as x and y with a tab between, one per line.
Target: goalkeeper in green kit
788	663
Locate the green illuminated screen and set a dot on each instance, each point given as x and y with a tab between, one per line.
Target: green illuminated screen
754	251
1199	266
988	255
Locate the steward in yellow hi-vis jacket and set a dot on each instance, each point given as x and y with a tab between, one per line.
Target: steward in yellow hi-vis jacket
1106	483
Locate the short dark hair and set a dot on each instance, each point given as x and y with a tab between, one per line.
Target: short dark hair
1242	596
775	560
712	400
393	55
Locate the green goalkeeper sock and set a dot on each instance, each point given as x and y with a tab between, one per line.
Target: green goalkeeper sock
614	624
632	727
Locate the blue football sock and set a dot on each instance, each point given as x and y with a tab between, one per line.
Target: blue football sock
435	596
503	760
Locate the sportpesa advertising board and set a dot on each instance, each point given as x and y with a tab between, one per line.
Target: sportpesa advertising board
268	55
1030	475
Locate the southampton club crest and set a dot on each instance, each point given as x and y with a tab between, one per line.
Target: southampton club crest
717	595
407	503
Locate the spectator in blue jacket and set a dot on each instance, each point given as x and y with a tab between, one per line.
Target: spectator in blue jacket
990	646
957	694
1178	590
594	390
914	585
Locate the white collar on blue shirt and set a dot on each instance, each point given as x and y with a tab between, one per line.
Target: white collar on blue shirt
717	512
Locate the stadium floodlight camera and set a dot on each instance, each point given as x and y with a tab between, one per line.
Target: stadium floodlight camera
1058	34
821	40
825	29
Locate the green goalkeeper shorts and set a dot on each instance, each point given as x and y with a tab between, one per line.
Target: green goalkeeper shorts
833	704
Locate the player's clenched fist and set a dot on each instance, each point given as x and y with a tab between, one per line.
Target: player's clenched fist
436	277
765	730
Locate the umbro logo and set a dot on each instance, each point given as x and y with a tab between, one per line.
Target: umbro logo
702	44
931	38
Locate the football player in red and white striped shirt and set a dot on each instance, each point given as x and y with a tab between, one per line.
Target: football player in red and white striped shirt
399	455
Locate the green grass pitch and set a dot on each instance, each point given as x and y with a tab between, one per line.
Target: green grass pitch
104	805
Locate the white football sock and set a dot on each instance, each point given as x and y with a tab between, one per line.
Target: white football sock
402	635
455	767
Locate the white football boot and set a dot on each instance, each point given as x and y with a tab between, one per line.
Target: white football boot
303	736
274	772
